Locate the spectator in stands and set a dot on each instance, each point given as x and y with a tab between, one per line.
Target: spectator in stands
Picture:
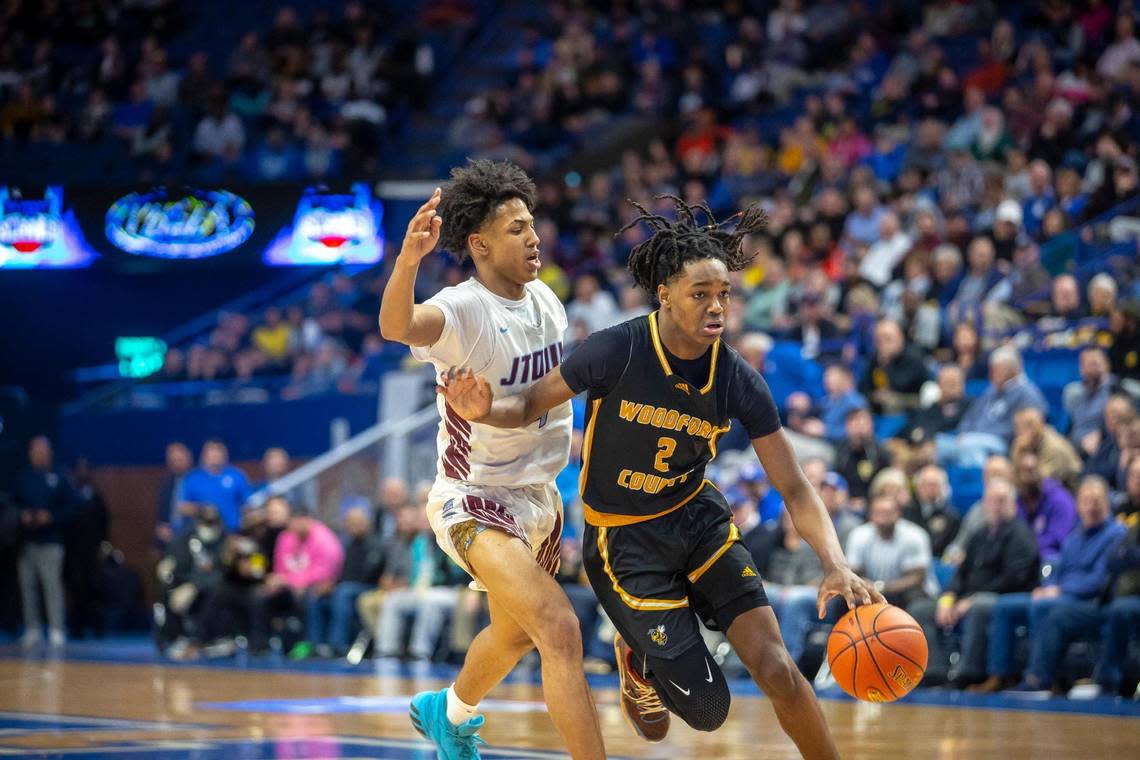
1116	624
746	518
592	306
418	583
863	223
216	481
1057	457
841	399
983	282
265	524
997	467
306	563
227	613
361	570
931	508
84	534
1084	399
1128	506
911	444
392	497
833	492
46	502
1102	292
1043	503
791	574
1000	558
817	335
220	135
1066	300
753	481
190	574
859	458
891	552
273	338
1104	458
987	427
886	253
895	371
968	353
274	466
169	519
1080	573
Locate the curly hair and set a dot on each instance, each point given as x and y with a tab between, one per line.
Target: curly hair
472	196
674	244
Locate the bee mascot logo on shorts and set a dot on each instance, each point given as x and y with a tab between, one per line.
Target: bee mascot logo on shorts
658	636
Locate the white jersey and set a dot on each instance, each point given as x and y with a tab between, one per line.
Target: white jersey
512	344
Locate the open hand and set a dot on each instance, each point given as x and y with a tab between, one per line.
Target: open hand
467	393
423	229
842	581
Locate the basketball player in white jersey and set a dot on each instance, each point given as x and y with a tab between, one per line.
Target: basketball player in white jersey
494	507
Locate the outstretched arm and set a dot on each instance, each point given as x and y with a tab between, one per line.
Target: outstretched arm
471	398
812	522
401	318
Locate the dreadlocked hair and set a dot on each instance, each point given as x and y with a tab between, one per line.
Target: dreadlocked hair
674	244
473	194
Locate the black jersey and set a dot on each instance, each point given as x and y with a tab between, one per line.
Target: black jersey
652	420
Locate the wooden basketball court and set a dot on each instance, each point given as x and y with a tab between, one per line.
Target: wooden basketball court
81	707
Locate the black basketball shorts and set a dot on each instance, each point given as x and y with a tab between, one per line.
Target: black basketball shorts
655	578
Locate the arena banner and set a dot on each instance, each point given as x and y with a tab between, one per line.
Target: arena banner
170	224
40	232
155	229
331	228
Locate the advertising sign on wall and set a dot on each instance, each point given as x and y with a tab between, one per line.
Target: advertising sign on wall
40	233
331	228
193	224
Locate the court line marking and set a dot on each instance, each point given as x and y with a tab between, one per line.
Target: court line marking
498	753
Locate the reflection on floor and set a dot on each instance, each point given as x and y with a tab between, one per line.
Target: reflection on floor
118	699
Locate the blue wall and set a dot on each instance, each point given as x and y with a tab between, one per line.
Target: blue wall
139	437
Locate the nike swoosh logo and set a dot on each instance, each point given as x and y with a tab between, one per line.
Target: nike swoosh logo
683	691
504	329
709	669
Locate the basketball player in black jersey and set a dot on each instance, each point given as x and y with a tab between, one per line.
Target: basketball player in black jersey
659	545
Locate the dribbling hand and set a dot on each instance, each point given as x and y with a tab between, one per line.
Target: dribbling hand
842	581
423	230
467	393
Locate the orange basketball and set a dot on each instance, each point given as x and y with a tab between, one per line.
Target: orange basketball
877	653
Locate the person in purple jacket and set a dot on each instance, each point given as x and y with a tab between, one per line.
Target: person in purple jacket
1045	504
1080	573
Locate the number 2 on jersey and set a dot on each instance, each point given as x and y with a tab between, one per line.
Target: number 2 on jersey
665	448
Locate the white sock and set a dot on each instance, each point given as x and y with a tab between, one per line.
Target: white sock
458	711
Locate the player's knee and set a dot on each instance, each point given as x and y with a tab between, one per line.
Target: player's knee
774	671
709	711
558	633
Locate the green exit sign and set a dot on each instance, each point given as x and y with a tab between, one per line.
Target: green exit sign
139	357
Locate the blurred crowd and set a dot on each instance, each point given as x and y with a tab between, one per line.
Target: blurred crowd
297	96
324	340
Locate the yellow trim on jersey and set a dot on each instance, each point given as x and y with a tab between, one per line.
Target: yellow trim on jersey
587	444
716	434
733	537
655	336
609	520
630	600
712	367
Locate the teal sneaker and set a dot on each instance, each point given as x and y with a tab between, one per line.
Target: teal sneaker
429	716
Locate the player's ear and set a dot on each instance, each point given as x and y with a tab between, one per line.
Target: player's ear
476	243
663	294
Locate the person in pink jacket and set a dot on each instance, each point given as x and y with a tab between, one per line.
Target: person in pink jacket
308	557
306	561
